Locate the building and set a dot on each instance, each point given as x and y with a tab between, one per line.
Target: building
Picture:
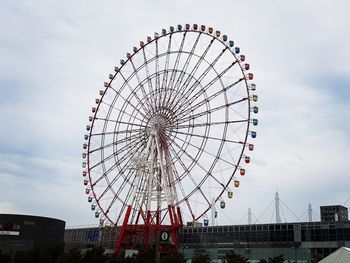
89	236
26	232
297	242
332	213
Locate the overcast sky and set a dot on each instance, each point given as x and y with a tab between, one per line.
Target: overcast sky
55	56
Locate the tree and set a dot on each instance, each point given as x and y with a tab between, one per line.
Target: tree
316	258
73	255
200	256
232	257
277	259
173	258
95	255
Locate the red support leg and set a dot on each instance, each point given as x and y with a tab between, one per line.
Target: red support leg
122	231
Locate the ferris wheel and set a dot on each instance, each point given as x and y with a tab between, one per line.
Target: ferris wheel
169	135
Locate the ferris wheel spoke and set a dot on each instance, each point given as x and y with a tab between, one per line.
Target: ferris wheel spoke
116	142
189	90
182	191
135	94
203	113
121	171
147	71
211	97
123	111
207	86
130	154
116	194
126	100
187	110
199	148
157	80
165	75
179	127
208	173
115	165
144	94
187	171
183	87
115	132
122	122
176	65
125	202
195	68
124	182
208	137
184	69
124	148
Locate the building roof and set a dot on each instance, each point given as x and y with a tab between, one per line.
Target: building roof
342	255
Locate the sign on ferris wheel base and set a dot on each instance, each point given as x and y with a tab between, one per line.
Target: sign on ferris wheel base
164	237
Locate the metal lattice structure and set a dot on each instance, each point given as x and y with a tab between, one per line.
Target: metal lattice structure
169	133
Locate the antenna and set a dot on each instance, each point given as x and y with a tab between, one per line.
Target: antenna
309	209
249	216
277	206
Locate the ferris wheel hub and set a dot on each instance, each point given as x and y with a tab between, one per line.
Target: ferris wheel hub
158	124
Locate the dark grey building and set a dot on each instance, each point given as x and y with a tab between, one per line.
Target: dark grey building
26	232
297	242
334	213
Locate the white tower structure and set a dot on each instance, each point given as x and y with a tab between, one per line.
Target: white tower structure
277	207
249	216
309	209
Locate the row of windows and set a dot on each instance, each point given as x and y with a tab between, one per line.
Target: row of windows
231	237
342	234
222	229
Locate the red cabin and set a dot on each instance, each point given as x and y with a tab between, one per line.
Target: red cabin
251	147
84	173
203	27
250	76
247	159
187	26
97	101
246	66
242	171
242	58
236	183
